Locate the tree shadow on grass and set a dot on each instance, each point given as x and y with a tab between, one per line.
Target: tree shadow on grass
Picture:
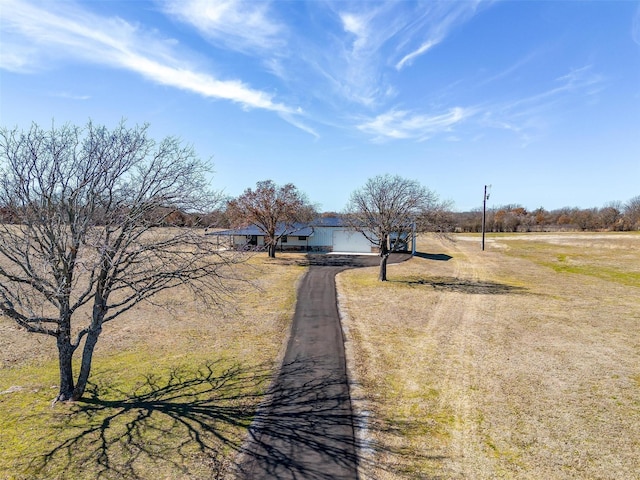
305	429
341	260
182	424
453	284
194	424
440	257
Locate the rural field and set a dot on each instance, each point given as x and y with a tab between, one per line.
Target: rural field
520	362
172	390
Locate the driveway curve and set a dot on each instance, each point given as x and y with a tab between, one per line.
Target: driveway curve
306	431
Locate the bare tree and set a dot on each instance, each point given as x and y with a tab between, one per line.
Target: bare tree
610	216
275	210
83	248
632	213
385	211
437	217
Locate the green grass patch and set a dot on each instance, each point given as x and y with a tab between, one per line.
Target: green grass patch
611	265
185	419
170	396
631	279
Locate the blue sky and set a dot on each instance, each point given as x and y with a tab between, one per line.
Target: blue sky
539	99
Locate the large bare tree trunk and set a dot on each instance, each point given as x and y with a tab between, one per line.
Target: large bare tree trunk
384	256
272	249
85	366
382	276
65	355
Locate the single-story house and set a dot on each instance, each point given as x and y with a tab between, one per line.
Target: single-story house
325	234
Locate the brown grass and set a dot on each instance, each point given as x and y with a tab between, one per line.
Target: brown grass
519	362
152	368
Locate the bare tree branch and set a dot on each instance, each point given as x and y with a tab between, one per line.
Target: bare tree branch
275	211
86	204
386	209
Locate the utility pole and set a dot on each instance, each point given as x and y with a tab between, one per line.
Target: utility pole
413	238
484	212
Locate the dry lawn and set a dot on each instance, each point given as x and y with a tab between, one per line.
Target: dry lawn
520	362
172	390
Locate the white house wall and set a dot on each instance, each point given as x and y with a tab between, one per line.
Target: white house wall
325	237
294	241
322	237
350	241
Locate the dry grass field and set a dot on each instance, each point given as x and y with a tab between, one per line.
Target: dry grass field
171	394
520	362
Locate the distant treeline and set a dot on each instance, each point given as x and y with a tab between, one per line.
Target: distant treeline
155	217
615	216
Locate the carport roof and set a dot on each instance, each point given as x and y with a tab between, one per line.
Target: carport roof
329	222
300	229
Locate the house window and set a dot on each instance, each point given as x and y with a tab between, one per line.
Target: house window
302	237
283	239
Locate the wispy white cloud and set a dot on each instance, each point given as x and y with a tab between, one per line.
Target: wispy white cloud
354	24
422	49
510	70
357	63
581	81
402	124
296	121
72	96
380	38
17	57
349	55
527	117
238	24
579	78
46	32
354	54
531	115
433	22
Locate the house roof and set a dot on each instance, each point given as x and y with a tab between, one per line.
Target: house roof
299	229
329	222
